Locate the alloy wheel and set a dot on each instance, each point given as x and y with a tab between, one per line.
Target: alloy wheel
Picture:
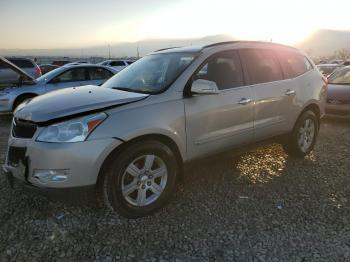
144	180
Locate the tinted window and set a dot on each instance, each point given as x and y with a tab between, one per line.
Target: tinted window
99	74
22	63
129	62
224	69
294	64
117	63
262	66
72	75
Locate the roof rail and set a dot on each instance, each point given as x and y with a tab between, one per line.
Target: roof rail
246	41
167	48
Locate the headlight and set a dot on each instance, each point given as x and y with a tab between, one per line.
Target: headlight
75	130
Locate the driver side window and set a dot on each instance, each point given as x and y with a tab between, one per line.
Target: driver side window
224	69
72	75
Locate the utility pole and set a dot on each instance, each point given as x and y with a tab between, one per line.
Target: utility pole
109	51
137	52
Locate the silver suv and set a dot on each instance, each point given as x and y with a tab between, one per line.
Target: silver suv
129	140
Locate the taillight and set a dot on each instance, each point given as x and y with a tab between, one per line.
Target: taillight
38	71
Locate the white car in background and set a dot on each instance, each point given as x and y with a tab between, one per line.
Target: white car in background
8	76
116	64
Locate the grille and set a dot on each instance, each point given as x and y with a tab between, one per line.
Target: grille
16	155
23	129
338	102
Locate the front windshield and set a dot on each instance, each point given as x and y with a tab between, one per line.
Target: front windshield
151	74
340	77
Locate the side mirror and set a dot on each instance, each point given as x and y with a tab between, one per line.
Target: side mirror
204	87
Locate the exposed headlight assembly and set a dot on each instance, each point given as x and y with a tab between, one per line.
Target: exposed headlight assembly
74	130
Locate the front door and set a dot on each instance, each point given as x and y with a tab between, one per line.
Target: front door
70	78
220	121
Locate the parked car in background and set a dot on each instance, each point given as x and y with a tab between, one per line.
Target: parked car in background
337	61
45	68
346	63
338	94
77	63
130	138
60	62
116	64
8	76
62	77
327	69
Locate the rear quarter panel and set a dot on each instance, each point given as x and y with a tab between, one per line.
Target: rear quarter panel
310	89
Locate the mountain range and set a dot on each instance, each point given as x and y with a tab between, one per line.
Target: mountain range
320	43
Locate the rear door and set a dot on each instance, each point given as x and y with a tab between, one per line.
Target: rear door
98	75
77	76
220	121
272	94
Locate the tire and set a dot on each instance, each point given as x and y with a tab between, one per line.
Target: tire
141	179
302	141
20	100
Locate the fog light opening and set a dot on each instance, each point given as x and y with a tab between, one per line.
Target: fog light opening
50	175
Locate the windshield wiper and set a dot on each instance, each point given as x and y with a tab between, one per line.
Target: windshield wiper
127	89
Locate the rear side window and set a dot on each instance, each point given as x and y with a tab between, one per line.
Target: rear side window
22	63
224	69
262	66
117	63
294	64
99	74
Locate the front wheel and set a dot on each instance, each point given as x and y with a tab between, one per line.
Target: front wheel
141	179
303	138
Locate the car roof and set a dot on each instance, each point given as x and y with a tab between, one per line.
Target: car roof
68	66
237	44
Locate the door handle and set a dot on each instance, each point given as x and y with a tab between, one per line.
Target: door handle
290	92
244	101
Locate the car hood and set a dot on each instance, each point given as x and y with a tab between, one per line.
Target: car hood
339	92
70	102
17	69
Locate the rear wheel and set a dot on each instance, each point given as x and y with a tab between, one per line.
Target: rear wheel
303	138
141	179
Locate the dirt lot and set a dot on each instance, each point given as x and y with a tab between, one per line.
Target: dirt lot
260	206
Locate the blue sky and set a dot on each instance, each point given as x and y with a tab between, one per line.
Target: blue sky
78	23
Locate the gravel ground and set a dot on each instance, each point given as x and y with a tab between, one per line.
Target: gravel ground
260	206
